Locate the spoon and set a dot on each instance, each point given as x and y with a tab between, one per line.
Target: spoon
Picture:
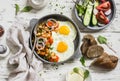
29	61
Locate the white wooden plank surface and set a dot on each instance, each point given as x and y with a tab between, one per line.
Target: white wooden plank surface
50	73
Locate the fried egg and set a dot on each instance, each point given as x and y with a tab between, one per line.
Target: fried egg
63	48
67	30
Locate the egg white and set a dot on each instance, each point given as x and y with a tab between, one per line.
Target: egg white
68	53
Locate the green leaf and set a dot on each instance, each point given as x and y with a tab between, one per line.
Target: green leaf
86	74
82	60
17	9
26	9
76	70
80	9
102	40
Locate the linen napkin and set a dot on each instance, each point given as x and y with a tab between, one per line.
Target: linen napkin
18	42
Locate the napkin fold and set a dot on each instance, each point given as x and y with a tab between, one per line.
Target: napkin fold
18	42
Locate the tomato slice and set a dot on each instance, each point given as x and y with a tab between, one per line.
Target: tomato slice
55	59
50	40
104	6
102	18
103	1
50	23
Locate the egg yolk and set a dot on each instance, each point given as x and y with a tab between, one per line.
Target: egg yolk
64	30
62	47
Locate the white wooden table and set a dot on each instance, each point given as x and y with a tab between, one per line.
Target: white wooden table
57	73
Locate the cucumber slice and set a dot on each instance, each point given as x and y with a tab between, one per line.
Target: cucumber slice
94	19
96	3
88	14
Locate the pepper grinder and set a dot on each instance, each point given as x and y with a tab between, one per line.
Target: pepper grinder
37	4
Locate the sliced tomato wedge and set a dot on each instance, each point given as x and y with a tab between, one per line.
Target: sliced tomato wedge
102	18
104	6
55	59
50	23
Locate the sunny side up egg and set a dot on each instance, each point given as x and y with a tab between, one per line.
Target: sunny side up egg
66	30
63	48
63	45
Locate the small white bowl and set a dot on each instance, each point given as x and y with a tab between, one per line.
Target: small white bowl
69	73
37	4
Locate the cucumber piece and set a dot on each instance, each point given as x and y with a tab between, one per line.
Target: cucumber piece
88	14
94	19
96	3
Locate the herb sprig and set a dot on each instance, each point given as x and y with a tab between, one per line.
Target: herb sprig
103	40
86	74
82	60
25	9
17	9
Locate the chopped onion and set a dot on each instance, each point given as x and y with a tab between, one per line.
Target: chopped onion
100	24
108	12
40	46
95	11
41	39
40	43
54	22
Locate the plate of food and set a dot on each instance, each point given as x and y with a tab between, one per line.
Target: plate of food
78	74
56	38
95	14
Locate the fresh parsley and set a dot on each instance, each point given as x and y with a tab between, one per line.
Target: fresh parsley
17	9
26	9
86	74
82	60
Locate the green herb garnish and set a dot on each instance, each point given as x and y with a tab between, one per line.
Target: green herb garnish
86	74
17	9
51	48
26	9
80	9
82	60
63	7
103	40
56	4
76	70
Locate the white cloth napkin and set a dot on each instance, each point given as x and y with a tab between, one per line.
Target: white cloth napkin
18	42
